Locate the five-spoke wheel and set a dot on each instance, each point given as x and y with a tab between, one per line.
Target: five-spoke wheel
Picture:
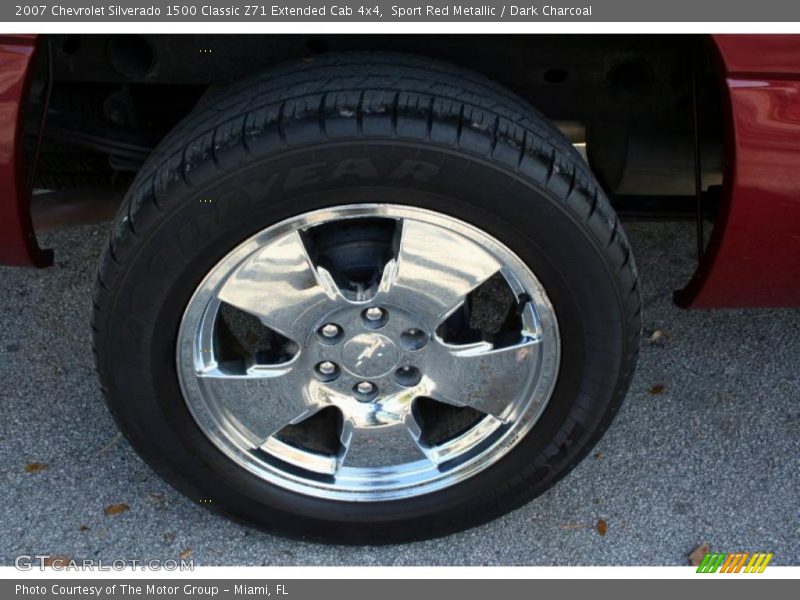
368	351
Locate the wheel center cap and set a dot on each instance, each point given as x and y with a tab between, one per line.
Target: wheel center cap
370	355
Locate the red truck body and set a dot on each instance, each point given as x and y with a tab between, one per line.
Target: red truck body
753	257
18	244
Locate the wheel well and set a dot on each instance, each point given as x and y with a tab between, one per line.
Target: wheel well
627	101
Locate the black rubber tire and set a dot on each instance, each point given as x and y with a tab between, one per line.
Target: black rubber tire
345	129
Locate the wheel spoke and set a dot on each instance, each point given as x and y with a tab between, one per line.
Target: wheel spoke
477	375
393	443
280	285
435	269
264	400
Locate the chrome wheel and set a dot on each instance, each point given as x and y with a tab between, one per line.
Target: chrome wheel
368	381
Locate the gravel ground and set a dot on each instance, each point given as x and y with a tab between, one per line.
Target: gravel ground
706	448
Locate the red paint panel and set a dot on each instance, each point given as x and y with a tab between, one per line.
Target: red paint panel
760	55
17	240
753	258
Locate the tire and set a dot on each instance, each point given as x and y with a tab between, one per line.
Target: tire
344	130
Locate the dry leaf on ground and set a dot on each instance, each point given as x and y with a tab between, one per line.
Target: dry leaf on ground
115	509
601	526
657	389
696	556
35	467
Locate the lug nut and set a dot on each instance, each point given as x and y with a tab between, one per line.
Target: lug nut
327	371
327	368
408	376
329	330
374	313
413	339
365	387
374	317
365	391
